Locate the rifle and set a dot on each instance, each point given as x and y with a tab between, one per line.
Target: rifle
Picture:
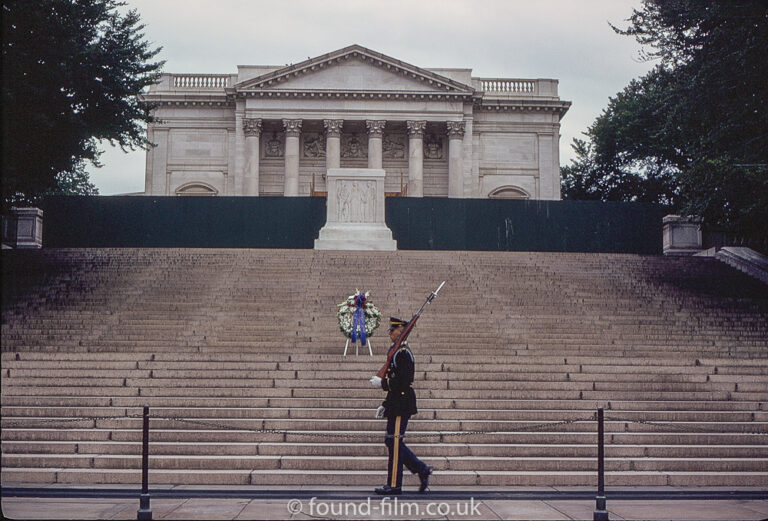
405	332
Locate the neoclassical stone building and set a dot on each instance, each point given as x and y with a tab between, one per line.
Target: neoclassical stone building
271	130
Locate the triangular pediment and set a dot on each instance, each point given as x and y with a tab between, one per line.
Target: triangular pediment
354	69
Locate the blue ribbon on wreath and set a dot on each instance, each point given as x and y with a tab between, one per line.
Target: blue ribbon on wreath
358	320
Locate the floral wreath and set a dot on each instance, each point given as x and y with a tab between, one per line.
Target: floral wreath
358	317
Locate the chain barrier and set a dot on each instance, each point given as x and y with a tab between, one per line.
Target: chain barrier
679	426
658	424
285	432
529	428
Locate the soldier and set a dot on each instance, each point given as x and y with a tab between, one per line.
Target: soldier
398	407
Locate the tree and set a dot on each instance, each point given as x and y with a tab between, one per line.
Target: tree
693	132
72	72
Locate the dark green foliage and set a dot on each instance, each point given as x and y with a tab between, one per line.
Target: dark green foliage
72	70
693	132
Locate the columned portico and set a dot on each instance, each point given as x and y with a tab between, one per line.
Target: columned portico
333	142
416	158
375	134
292	133
252	129
273	131
455	158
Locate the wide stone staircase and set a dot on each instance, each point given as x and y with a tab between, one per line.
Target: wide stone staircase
239	357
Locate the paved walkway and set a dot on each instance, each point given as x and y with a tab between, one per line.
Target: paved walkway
190	502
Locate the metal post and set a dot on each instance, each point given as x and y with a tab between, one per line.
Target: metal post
145	512
600	514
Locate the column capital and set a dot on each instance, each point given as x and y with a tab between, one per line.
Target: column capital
375	127
455	129
252	126
416	128
333	127
292	127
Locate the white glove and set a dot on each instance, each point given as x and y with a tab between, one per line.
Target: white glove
375	382
380	411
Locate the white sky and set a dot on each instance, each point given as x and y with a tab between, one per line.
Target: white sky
569	40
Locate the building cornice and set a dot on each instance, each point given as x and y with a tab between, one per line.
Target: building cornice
430	79
521	105
353	94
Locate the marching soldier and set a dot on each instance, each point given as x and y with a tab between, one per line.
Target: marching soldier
398	407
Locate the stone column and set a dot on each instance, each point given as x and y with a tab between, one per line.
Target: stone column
252	129
455	158
375	133
292	132
158	158
416	158
333	142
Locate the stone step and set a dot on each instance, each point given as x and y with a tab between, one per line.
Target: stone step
678	363
344	464
555	436
297	412
370	403
374	478
446	449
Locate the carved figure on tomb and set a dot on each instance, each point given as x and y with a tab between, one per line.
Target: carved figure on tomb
369	215
344	201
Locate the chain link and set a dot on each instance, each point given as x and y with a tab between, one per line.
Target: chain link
528	428
284	432
678	427
673	426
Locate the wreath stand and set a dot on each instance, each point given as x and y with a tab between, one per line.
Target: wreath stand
367	342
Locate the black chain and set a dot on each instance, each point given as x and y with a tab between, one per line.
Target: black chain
673	426
529	428
677	427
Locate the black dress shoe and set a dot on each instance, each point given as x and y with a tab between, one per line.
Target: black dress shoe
424	477
386	490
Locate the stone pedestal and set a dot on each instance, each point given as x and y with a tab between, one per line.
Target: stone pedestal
682	235
25	228
355	212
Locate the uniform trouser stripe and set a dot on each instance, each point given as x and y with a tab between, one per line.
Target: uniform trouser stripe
395	452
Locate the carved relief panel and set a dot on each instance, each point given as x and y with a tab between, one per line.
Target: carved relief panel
313	145
433	146
354	146
273	145
356	201
395	146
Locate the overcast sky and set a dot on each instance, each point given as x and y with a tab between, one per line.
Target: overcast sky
569	40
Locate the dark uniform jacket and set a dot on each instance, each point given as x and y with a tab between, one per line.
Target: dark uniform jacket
401	400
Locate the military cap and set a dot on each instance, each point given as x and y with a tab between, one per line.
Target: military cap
397	322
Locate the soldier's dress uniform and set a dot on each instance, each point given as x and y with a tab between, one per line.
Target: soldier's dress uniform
399	406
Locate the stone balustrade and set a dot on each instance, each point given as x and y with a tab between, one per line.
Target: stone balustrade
507	85
496	87
201	81
492	86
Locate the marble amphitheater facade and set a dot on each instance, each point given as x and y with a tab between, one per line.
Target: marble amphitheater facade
271	130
